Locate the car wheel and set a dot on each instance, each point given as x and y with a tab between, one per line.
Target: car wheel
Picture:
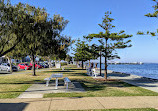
25	68
8	70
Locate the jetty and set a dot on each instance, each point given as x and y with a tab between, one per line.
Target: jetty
126	63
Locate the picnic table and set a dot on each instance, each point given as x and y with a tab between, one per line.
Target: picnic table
57	75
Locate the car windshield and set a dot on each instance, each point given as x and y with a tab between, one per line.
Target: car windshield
8	64
26	64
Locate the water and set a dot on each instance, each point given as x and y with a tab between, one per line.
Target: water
144	70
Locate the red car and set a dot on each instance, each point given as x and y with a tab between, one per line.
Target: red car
37	66
25	66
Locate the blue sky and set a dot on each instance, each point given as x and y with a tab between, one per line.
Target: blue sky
85	15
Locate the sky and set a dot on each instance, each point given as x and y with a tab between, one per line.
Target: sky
85	15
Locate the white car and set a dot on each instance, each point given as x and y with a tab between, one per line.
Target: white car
6	67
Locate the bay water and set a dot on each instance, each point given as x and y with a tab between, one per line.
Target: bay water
149	70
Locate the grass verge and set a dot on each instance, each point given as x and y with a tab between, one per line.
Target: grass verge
11	86
133	109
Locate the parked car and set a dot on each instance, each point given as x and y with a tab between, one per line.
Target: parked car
25	66
44	65
6	67
37	66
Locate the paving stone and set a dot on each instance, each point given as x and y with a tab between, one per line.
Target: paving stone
31	96
75	104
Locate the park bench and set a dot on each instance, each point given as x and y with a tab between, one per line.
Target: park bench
95	73
66	81
58	75
47	80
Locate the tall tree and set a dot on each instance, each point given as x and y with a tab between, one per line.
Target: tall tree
83	52
36	27
110	41
58	50
97	50
43	32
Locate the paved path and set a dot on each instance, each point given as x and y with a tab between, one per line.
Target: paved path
137	81
37	90
48	104
143	82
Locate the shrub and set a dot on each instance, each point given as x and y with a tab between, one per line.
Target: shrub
63	63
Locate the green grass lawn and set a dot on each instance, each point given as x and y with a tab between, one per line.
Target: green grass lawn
13	85
134	109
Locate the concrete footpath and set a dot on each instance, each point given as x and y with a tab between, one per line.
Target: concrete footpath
146	83
143	82
49	104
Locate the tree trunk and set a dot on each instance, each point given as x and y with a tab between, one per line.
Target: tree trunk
100	63
33	65
49	63
89	63
55	62
77	64
96	64
10	62
14	61
82	64
105	75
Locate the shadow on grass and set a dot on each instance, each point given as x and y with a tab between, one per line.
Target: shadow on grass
90	85
25	82
76	69
78	74
57	71
93	85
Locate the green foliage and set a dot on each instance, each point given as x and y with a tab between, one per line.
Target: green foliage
14	23
110	41
116	40
36	33
68	58
155	15
63	63
83	51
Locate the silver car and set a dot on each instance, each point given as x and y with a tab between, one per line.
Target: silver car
6	67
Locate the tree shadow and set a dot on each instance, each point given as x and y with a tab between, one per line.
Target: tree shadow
12	106
78	74
118	74
25	82
57	71
76	69
90	85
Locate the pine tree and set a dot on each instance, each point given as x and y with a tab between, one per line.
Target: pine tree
110	41
154	15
